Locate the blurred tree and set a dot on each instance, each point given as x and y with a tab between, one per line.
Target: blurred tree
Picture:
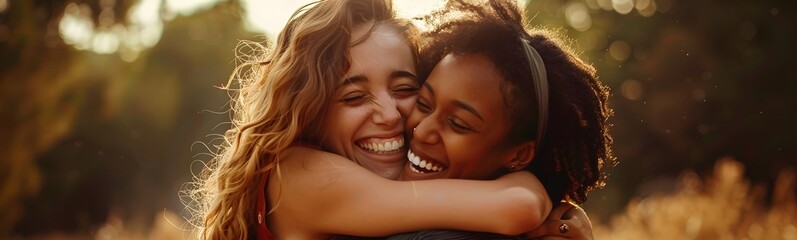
40	76
692	82
91	135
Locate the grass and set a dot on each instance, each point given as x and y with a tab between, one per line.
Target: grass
722	206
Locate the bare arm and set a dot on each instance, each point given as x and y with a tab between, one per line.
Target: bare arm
329	194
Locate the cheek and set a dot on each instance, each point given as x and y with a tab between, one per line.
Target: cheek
341	125
405	106
473	156
342	129
414	119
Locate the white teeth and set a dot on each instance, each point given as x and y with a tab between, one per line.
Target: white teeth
418	164
412	167
383	148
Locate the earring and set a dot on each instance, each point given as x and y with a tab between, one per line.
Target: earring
513	167
413	130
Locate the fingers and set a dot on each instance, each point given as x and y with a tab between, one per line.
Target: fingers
577	228
566	221
560	210
568	229
551	227
577	214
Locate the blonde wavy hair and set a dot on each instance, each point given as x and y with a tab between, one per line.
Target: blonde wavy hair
281	93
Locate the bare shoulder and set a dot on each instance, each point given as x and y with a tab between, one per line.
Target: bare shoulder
300	161
312	156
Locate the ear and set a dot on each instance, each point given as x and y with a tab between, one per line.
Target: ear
521	156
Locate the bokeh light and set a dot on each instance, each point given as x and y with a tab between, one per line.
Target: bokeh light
631	89
577	16
76	26
3	5
623	6
105	43
646	8
186	8
143	31
605	4
145	21
642	4
620	50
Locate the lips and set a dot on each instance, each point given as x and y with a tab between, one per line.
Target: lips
420	165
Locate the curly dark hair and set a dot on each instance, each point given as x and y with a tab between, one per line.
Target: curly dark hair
575	151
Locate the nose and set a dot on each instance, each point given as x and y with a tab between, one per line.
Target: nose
426	131
386	112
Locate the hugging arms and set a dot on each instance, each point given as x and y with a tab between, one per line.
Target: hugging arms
333	95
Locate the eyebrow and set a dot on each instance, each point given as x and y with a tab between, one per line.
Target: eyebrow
352	80
402	74
467	107
431	89
393	75
457	103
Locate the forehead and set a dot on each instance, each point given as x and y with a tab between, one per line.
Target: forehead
377	40
381	32
472	79
383	49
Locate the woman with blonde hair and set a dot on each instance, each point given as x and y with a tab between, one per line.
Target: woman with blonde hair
336	83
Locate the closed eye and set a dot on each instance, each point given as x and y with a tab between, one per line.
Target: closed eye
459	126
406	89
422	105
354	98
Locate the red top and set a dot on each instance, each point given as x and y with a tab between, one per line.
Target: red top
262	231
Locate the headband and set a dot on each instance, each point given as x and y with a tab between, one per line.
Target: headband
540	79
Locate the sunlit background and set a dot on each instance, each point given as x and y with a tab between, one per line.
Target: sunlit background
109	107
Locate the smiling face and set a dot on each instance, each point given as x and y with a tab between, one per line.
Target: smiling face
366	118
460	122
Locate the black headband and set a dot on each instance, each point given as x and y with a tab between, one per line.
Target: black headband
540	79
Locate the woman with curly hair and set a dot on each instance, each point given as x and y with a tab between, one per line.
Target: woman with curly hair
316	116
495	90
